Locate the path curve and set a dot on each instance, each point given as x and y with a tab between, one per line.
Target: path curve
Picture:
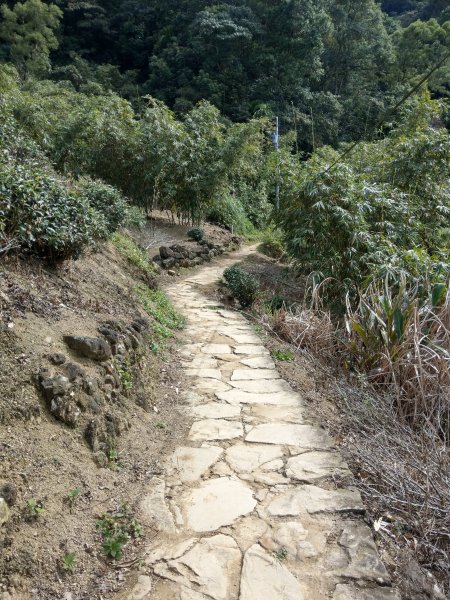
250	506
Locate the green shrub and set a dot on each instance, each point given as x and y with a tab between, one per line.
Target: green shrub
228	212
272	244
196	234
135	217
41	214
243	286
107	200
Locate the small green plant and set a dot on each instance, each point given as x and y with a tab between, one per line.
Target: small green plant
68	562
281	554
283	355
126	376
35	508
114	460
116	530
72	496
197	234
166	320
135	255
242	285
161	425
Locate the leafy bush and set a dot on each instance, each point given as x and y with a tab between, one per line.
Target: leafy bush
43	215
106	200
196	234
135	217
243	286
272	244
228	212
384	207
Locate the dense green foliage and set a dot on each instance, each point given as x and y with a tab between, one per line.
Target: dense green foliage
384	209
242	285
329	68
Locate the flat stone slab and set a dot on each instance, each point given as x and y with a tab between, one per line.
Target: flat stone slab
191	463
254	374
201	362
210	385
240	397
245	458
142	589
303	436
216	503
349	592
364	562
251	350
315	466
258	362
309	499
243	338
214	349
210	567
215	429
215	410
204	373
263	412
266	386
263	577
154	509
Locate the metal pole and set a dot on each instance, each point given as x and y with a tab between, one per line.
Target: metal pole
277	148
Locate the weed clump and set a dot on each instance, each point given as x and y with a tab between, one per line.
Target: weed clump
116	530
197	234
243	286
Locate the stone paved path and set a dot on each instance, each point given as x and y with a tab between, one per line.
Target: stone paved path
250	506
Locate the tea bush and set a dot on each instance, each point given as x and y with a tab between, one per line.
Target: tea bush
242	285
39	213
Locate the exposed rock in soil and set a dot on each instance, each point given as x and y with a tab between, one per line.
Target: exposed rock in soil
94	348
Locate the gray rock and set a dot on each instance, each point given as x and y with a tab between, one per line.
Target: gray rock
94	348
74	371
8	491
348	592
265	577
57	359
165	252
65	410
168	263
364	560
4	512
54	386
112	336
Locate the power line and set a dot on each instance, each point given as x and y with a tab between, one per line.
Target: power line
389	112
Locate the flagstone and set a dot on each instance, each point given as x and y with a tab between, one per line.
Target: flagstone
303	436
263	576
191	463
215	429
245	458
215	410
235	396
309	499
314	466
216	503
252	374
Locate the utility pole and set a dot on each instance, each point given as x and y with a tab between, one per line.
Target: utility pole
276	141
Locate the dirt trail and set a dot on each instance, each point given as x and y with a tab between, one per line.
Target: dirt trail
253	505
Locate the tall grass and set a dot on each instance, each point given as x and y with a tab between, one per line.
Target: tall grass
402	342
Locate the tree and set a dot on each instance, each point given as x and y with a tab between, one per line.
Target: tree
29	29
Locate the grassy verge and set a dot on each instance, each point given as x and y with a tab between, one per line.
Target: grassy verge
165	319
135	255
